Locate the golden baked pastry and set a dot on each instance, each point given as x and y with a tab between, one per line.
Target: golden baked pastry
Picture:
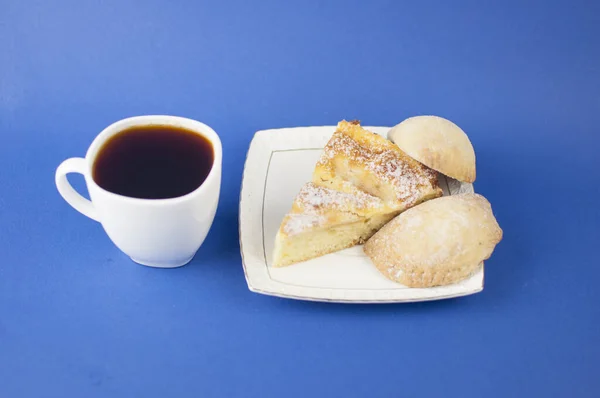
361	182
439	242
375	165
437	143
323	221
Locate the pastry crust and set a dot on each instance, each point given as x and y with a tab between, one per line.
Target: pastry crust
436	243
375	165
437	143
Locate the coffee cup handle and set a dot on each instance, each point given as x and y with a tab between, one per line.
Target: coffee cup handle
70	195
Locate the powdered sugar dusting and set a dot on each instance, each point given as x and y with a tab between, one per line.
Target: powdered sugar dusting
296	223
313	203
386	161
313	197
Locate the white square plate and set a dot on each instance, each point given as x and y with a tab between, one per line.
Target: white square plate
278	163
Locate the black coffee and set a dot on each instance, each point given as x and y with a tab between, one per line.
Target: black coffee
153	162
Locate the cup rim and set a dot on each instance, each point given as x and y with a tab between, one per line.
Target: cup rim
156	120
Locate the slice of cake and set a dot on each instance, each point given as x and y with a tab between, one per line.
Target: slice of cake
323	220
361	182
375	165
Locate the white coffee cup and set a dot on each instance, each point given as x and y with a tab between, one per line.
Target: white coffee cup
162	233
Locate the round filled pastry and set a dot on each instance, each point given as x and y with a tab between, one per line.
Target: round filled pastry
439	242
437	143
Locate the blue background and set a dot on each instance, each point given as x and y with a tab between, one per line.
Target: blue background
78	319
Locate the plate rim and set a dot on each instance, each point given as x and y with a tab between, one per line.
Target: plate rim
269	287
